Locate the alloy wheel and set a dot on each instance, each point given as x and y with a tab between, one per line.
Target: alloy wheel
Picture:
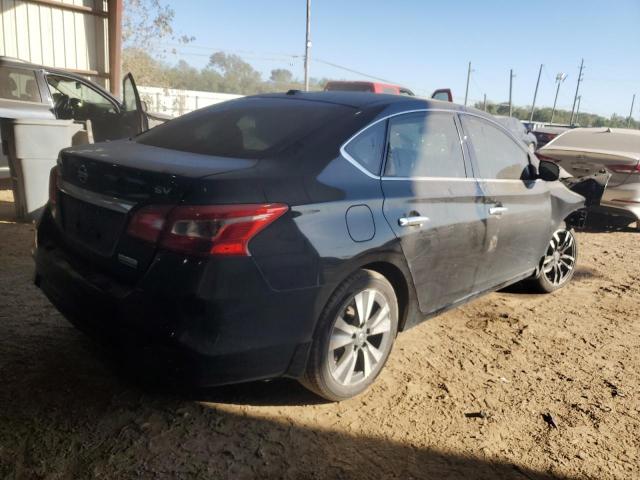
360	337
560	258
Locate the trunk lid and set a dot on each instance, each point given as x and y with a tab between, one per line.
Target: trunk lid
584	152
101	186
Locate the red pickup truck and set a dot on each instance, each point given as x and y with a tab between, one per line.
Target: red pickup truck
378	87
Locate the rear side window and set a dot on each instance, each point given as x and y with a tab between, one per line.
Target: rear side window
498	156
19	84
424	145
247	128
368	147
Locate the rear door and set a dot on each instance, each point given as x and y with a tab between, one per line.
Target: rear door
431	202
516	206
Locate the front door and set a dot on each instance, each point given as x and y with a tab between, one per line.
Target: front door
517	207
431	202
133	110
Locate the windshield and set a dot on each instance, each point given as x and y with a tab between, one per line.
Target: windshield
248	128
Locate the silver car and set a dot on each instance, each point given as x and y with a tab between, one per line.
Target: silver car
586	151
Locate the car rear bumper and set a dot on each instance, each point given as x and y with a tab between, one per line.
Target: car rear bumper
167	323
624	198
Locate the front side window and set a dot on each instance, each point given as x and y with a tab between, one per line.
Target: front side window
368	147
424	145
19	84
75	100
497	155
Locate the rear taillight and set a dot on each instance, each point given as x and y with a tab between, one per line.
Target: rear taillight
148	222
204	229
625	168
53	186
544	157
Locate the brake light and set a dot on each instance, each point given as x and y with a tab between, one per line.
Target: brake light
148	222
545	158
218	229
53	186
625	168
204	229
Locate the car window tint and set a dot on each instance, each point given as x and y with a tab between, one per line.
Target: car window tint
368	147
19	84
424	145
85	98
497	155
246	128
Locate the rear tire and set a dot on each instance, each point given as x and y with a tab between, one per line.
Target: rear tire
353	338
558	265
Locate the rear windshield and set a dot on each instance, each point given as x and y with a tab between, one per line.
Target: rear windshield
246	128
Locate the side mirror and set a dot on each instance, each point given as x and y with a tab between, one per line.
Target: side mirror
548	171
144	106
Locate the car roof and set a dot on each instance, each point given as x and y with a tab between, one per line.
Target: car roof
366	100
16	62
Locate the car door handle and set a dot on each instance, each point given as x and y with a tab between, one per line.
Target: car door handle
497	210
412	221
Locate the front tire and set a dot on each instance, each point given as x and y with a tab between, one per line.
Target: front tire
559	263
354	337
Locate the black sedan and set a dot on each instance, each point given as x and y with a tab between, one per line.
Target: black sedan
295	234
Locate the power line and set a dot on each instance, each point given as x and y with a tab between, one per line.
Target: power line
226	50
250	57
347	69
258	55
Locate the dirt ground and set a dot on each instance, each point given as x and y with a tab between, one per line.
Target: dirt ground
515	357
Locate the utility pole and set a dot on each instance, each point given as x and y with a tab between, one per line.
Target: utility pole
633	100
535	94
485	102
466	92
307	47
578	109
511	75
575	98
560	77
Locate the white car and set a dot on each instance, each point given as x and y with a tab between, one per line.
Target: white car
586	151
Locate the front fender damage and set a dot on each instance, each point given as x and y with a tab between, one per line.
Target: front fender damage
572	197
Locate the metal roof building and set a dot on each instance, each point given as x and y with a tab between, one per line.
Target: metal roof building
83	36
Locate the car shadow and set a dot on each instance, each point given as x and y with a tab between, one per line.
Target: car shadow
66	415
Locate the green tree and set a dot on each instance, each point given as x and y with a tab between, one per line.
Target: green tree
238	76
281	75
145	23
145	68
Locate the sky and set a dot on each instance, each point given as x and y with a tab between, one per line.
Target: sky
426	45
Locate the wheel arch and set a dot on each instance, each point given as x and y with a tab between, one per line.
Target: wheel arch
400	284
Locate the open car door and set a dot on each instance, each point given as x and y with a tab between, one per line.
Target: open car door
443	94
133	114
